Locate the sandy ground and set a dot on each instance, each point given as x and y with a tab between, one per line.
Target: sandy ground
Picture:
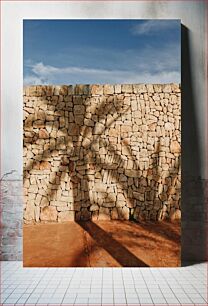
102	244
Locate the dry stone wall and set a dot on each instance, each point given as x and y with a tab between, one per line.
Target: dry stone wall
101	152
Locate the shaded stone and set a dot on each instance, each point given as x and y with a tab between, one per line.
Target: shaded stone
138	196
132	173
175	147
79	109
85	214
73	129
98	129
43	134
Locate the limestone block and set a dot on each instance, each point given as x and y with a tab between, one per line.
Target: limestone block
169	126
40	115
44	202
131	173
45	165
109	204
126	128
175	147
114	214
114	132
139	88
48	213
120	197
138	196
99	128
73	129
64	216
108	89
157	87
37	213
96	89
117	88
175	87
126	88
123	213
60	90
43	134
167	88
33	189
29	213
79	110
150	88
94	207
104	214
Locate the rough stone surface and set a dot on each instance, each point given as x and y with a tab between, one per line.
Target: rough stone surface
66	216
102	152
48	214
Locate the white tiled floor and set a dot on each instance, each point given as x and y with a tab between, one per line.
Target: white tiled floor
103	286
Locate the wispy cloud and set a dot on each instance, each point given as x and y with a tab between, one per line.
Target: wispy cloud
147	65
153	26
45	74
34	80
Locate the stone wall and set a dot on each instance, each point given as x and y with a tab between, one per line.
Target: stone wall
102	152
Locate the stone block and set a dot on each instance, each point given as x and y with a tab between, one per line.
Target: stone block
175	147
96	89
108	89
79	109
48	213
139	88
132	173
126	88
104	213
64	216
98	129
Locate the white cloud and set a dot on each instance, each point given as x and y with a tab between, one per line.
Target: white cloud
33	80
147	65
45	74
152	26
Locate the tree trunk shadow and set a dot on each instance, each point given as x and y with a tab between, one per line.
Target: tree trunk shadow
121	254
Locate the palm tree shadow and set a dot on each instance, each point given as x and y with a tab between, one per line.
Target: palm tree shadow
121	254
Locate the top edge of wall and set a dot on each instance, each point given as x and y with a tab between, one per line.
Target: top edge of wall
98	89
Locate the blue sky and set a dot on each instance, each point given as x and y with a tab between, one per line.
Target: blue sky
101	51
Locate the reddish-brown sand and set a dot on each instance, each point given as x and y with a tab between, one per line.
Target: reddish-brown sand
102	244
